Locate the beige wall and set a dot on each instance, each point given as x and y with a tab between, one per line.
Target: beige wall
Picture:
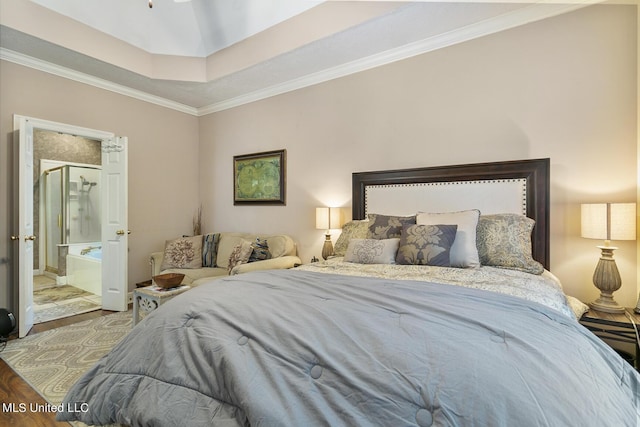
163	152
563	88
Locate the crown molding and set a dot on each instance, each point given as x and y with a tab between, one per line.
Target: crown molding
522	16
67	73
526	15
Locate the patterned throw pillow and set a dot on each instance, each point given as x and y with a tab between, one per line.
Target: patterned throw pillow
464	252
386	226
356	229
240	254
372	251
426	245
210	244
185	252
260	250
504	240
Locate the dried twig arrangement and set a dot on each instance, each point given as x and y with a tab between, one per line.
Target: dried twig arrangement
197	222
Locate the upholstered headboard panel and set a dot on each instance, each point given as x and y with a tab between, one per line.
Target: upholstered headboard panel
514	187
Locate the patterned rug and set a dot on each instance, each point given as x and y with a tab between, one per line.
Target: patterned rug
58	293
52	361
62	301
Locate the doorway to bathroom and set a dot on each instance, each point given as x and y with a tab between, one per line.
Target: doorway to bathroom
67	217
80	181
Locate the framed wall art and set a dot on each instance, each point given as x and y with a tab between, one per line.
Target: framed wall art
259	178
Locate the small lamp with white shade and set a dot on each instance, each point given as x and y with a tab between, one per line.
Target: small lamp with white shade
328	219
608	221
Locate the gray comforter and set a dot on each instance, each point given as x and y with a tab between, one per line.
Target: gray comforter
299	348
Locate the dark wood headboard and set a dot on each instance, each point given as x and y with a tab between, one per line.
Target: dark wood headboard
535	172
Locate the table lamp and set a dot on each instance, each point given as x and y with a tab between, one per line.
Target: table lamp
328	219
608	221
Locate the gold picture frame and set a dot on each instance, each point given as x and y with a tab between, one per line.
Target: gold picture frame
259	178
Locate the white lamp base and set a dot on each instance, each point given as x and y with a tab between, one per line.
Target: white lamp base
607	305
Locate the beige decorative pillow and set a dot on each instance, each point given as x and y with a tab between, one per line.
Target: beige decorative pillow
463	251
372	251
185	252
504	240
240	254
356	229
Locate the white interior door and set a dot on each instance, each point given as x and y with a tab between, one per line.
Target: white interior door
114	224
114	195
25	237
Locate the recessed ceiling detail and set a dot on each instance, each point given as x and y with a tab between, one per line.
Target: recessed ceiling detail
257	53
195	28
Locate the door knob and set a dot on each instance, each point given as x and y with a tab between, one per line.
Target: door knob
15	237
121	232
32	237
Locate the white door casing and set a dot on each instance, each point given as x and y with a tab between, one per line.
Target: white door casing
114	173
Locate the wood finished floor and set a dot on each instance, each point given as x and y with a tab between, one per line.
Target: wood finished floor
13	389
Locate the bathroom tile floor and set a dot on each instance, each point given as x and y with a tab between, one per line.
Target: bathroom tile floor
42	281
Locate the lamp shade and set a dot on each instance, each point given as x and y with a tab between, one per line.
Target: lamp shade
328	218
608	221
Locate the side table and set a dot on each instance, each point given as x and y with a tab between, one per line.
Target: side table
151	297
615	327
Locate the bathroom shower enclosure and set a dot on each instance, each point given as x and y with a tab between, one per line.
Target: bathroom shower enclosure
70	198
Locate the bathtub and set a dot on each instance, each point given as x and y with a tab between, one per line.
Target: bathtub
84	266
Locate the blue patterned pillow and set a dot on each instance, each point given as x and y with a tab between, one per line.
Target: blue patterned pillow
426	245
387	226
210	244
260	250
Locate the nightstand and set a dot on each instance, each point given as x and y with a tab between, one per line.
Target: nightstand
151	297
614	327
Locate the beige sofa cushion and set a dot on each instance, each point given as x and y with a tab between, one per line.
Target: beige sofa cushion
279	245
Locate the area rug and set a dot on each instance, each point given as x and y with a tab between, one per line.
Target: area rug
62	301
66	309
58	293
52	361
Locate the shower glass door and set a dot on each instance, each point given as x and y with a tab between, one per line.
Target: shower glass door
53	202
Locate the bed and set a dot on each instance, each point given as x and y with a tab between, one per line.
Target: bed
394	331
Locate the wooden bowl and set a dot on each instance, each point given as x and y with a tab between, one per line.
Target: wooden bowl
169	280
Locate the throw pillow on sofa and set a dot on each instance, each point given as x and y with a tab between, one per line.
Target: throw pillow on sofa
260	250
240	254
185	252
210	244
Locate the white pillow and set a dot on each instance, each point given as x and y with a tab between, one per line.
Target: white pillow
372	251
464	252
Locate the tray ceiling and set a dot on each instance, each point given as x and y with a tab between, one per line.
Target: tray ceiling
202	56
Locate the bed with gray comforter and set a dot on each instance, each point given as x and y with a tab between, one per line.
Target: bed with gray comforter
303	348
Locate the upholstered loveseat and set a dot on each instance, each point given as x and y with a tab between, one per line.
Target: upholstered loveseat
200	258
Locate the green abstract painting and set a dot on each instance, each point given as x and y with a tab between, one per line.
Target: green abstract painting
259	178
